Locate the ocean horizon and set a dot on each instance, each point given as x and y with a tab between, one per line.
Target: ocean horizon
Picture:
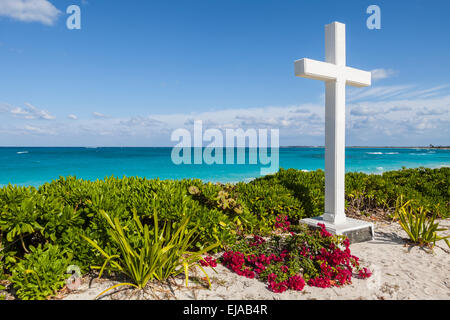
34	166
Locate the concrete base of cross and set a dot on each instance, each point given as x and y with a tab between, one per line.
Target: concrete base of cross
355	230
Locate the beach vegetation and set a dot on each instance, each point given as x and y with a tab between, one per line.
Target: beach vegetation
68	210
423	187
289	261
20	213
420	226
41	273
146	254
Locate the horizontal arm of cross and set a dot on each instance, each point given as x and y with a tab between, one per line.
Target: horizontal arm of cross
318	70
358	78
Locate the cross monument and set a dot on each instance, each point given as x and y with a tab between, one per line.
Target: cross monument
336	76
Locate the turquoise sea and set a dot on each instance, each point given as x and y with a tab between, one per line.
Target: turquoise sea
37	165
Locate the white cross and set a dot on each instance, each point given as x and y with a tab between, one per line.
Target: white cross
336	75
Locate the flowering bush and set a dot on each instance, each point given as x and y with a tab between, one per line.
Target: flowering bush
314	257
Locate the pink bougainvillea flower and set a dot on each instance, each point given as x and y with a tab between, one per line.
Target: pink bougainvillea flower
208	262
364	273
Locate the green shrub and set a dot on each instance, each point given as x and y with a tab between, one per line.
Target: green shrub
291	192
41	273
21	213
223	202
428	188
267	200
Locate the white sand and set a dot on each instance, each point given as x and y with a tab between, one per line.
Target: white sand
400	271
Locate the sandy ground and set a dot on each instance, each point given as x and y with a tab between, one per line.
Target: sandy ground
400	271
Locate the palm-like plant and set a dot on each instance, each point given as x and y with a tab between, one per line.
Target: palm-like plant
420	227
161	254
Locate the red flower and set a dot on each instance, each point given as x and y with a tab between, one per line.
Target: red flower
208	262
364	273
323	231
282	223
278	287
334	263
257	240
346	243
296	283
271	277
320	282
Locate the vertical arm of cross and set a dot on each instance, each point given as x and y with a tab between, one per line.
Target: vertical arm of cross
335	43
335	126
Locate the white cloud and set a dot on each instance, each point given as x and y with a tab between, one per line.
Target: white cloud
396	108
72	116
391	121
377	92
28	112
38	130
40	114
20	112
426	93
432	112
301	110
398	92
400	121
99	115
379	74
30	10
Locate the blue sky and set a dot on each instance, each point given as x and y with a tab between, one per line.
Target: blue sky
139	69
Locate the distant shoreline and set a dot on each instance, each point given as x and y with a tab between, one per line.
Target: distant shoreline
281	147
376	147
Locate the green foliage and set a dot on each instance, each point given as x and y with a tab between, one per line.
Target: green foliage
2	295
267	201
223	200
20	213
147	255
301	194
424	187
420	227
66	210
41	273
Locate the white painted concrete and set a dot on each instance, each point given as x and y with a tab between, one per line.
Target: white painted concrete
336	75
348	226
